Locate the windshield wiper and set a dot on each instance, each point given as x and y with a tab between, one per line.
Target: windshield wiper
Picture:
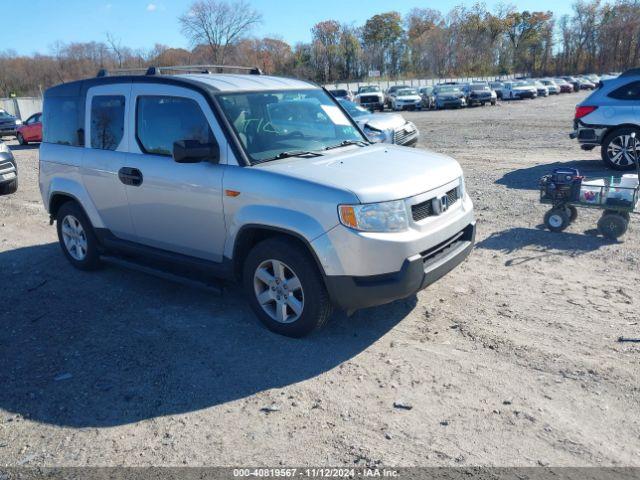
290	153
346	143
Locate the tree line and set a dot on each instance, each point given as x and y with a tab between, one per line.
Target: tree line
465	41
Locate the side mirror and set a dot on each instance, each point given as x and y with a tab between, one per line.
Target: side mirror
192	151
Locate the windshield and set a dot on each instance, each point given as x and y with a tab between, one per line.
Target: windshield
4	114
339	93
520	84
271	123
354	109
479	87
407	91
371	88
448	89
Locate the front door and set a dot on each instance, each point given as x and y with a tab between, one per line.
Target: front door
174	206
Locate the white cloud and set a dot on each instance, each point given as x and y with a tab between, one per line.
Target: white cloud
152	7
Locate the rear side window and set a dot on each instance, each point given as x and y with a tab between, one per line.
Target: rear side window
107	121
163	120
62	121
630	91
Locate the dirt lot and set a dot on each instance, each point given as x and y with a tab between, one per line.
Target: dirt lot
512	359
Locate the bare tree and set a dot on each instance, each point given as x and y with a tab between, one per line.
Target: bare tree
218	24
116	47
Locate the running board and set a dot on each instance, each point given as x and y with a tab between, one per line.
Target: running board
189	282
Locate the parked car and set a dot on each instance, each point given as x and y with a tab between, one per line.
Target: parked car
406	99
448	96
479	94
30	130
371	97
497	87
541	89
390	93
253	178
427	97
383	127
518	90
574	82
8	124
342	93
608	117
565	87
552	87
8	170
585	84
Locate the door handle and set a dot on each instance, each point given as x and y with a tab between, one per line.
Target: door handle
130	176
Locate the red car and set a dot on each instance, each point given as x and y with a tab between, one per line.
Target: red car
30	130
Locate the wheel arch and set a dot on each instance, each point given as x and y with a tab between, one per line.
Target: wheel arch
614	128
64	189
251	234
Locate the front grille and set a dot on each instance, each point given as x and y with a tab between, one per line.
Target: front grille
369	99
425	209
400	137
6	167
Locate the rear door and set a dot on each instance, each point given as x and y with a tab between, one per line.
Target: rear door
107	146
175	206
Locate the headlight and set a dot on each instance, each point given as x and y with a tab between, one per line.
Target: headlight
375	217
18	121
374	134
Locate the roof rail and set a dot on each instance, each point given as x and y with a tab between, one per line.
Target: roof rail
179	68
634	72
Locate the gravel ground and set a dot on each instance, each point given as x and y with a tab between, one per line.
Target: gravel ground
512	359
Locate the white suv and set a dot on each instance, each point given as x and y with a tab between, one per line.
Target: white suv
260	179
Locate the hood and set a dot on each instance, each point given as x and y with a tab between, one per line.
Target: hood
382	121
376	173
378	94
450	95
409	97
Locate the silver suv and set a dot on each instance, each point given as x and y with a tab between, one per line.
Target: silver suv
263	180
608	117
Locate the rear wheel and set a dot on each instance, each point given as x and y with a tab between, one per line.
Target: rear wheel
285	288
76	237
612	225
618	148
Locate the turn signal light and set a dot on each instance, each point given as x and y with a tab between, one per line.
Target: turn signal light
348	216
583	111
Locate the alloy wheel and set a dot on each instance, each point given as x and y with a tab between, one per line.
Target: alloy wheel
74	237
621	150
278	291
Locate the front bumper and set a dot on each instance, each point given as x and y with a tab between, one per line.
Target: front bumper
417	272
451	103
526	94
6	131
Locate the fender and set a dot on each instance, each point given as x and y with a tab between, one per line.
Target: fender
302	225
72	188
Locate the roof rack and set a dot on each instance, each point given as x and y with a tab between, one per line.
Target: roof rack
179	68
634	72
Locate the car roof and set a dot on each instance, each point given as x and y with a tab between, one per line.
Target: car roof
222	82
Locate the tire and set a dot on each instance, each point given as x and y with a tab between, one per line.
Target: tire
493	103
9	187
80	244
21	139
556	220
612	225
618	143
624	215
572	212
311	298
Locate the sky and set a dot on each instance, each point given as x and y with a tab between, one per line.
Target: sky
143	23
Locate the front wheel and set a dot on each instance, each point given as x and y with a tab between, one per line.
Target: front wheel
284	288
21	139
557	220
